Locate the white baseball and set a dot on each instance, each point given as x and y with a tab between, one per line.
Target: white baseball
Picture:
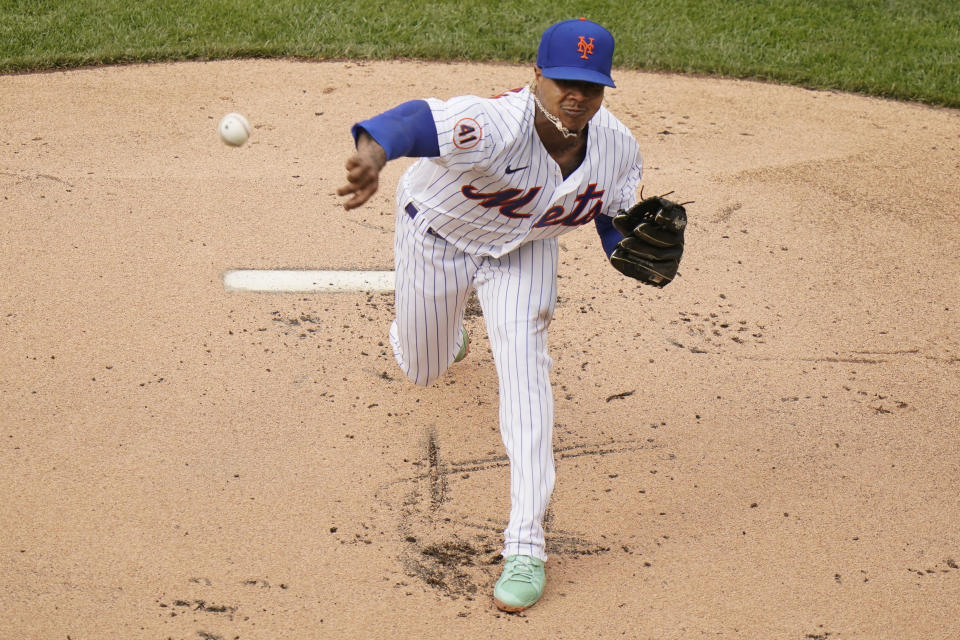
234	129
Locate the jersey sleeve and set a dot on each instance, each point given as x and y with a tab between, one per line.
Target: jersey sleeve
625	193
609	236
406	130
463	131
625	196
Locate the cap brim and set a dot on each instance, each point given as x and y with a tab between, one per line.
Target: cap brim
575	73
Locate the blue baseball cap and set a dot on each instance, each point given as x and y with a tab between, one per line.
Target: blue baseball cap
577	50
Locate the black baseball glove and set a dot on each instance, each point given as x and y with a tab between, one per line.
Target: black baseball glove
653	240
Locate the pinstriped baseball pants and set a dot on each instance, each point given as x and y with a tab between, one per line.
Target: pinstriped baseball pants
517	293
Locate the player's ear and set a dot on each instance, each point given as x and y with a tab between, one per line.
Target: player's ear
536	79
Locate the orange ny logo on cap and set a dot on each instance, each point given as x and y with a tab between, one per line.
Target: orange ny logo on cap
585	48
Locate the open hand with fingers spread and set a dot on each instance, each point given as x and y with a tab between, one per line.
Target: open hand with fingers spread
363	172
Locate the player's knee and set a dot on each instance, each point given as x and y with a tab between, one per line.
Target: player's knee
420	377
411	368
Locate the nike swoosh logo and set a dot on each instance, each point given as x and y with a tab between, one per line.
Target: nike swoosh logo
508	170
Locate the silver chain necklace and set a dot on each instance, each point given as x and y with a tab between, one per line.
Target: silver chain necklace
552	118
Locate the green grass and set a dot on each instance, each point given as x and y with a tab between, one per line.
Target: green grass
902	49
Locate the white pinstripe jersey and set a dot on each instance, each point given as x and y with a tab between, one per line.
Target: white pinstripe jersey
494	186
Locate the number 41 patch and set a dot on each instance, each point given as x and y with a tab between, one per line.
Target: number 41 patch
466	133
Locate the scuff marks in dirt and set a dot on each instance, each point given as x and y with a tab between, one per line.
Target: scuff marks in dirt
456	552
713	331
437	478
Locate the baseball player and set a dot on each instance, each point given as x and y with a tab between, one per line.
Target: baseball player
497	181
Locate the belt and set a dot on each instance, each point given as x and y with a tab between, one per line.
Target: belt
412	212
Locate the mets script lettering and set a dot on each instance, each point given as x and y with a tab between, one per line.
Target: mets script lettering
508	200
587	205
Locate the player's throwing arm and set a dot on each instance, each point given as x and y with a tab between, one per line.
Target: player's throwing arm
363	172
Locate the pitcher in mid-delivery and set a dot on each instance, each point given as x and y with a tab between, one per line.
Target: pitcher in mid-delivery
498	180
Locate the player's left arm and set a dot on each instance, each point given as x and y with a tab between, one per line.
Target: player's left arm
624	197
609	236
642	240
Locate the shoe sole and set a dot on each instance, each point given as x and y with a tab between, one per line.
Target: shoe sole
509	608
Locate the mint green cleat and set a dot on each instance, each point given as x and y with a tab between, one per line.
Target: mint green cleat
520	585
465	347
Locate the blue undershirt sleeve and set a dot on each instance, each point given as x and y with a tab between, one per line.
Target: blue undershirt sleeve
609	236
406	130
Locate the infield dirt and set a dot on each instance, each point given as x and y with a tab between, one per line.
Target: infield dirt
767	448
